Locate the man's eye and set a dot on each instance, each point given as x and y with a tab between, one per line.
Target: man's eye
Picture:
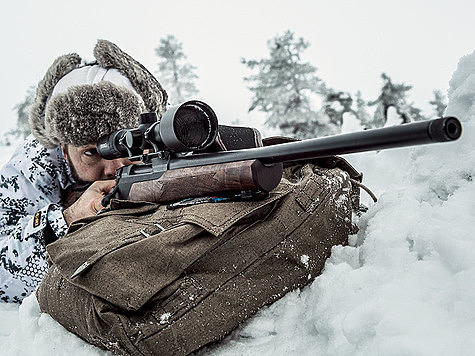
91	152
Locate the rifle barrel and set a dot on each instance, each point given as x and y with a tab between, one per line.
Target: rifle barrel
418	133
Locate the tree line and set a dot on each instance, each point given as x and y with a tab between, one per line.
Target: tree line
287	89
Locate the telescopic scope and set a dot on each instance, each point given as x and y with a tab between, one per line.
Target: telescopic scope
191	126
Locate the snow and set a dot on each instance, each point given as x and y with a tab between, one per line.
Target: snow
404	286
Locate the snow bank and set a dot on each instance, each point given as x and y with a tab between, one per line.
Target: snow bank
404	286
26	331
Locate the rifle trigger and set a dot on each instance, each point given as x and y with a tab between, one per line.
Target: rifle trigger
107	198
168	161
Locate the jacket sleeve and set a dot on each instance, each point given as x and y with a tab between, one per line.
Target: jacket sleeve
30	217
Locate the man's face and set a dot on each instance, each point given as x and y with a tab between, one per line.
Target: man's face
87	165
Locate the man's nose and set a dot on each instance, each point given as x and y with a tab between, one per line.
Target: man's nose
113	165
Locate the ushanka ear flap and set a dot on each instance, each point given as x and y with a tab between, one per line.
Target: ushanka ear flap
108	55
60	67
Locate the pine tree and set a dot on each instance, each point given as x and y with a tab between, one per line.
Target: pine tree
336	104
175	74
283	86
22	129
361	112
410	113
438	103
394	95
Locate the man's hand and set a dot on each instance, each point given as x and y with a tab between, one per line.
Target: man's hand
90	201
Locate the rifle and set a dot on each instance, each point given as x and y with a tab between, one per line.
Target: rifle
172	161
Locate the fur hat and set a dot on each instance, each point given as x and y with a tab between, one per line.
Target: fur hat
77	104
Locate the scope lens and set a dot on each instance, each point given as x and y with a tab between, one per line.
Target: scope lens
193	126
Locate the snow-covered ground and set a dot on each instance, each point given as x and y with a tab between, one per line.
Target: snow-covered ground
404	286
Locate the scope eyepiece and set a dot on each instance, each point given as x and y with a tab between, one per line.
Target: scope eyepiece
110	147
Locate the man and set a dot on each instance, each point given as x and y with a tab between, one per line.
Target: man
57	176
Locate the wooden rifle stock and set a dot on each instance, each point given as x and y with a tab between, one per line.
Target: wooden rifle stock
188	182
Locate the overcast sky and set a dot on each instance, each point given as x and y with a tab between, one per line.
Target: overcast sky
351	42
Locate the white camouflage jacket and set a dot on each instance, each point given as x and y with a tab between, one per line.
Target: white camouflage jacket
31	215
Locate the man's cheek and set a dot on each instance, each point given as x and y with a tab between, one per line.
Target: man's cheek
90	172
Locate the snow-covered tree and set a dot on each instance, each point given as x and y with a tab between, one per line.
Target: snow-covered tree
393	95
410	113
361	112
282	87
176	75
438	103
22	128
336	104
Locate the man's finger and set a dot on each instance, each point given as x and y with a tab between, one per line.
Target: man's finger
104	186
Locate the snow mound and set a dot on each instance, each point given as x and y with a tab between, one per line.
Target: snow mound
404	286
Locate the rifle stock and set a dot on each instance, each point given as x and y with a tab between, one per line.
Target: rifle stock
177	184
